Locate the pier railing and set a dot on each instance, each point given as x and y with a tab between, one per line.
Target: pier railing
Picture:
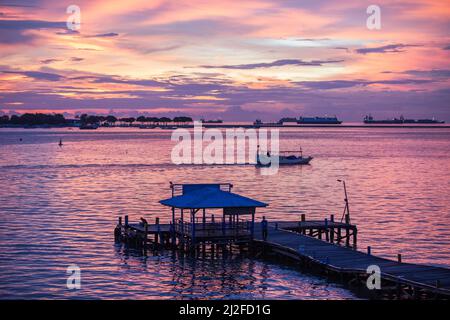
209	228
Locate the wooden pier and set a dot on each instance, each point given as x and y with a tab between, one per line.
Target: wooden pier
399	279
300	243
324	246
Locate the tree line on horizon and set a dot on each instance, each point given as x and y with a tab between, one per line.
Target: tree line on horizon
59	119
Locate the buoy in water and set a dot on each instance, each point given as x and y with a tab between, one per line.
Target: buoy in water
60	142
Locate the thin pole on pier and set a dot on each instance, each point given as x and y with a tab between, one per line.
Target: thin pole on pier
399	258
346	209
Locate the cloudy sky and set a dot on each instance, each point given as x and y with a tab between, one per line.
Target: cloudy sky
235	60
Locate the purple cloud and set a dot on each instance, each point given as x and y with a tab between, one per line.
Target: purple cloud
277	63
434	73
37	75
13	31
385	49
103	35
341	84
49	61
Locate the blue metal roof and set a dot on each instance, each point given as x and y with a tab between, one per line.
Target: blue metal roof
210	196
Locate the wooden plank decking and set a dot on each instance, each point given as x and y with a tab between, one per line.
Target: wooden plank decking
346	260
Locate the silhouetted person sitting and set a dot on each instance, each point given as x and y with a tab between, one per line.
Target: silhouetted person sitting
143	221
264	226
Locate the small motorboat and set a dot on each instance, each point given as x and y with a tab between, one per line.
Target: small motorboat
284	158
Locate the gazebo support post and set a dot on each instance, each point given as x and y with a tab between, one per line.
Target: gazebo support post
252	227
182	229
193	227
173	226
204	218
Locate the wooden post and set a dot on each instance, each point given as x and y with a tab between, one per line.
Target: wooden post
399	258
355	234
193	227
252	227
145	234
118	230
332	229
339	235
126	221
347	219
173	215
369	250
223	225
157	230
204	218
172	233
327	238
302	228
347	237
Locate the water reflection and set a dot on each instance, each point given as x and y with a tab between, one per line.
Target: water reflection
59	205
217	277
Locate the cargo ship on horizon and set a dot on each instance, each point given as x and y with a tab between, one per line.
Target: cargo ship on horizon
311	120
402	120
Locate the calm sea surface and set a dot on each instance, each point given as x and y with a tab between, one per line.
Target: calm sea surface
59	205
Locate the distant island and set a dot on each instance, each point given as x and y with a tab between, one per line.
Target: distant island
30	120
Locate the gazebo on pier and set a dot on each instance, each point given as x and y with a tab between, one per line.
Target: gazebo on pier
235	225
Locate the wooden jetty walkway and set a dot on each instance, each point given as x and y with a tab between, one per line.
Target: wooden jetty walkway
293	240
327	246
344	260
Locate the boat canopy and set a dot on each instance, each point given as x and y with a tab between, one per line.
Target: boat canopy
202	196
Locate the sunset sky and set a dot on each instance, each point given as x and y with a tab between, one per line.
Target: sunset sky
235	60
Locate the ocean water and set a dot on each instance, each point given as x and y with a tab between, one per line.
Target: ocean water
59	206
